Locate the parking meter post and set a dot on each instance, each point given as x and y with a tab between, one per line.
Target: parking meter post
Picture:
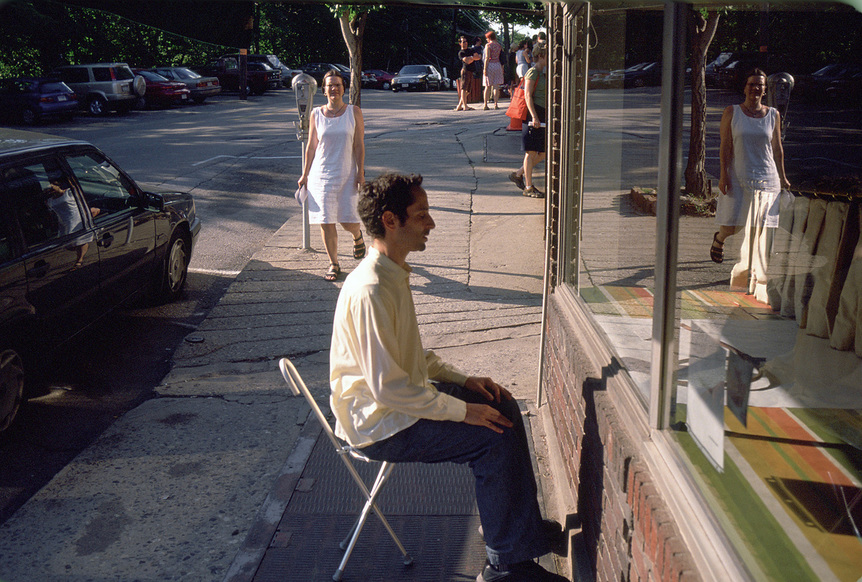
778	89
304	88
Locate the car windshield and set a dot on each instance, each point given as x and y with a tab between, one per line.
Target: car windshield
55	87
151	76
183	73
413	70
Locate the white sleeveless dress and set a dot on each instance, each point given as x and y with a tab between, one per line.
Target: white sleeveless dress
752	168
332	190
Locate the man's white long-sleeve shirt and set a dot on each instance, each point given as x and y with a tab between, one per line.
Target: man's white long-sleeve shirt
379	371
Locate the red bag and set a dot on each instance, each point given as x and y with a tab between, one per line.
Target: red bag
518	105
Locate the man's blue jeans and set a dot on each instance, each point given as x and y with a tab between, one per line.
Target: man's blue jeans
506	491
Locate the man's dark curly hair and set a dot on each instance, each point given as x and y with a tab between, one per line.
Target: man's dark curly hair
392	192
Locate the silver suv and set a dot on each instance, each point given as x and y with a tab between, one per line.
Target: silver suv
103	86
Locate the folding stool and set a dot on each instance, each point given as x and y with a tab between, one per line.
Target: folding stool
297	386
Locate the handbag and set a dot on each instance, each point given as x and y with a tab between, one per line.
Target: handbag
518	105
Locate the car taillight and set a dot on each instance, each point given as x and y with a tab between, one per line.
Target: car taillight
113	74
47	99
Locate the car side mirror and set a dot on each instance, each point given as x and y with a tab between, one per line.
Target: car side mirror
152	200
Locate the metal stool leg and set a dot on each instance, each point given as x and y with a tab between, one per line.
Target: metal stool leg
370	504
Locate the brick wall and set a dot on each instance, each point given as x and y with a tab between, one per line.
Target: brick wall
628	531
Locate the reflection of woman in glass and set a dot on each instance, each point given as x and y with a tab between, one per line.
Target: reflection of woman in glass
62	202
752	159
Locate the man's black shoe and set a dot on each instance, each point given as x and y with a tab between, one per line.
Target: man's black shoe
528	571
554	533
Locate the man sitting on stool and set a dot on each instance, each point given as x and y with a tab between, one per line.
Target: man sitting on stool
384	403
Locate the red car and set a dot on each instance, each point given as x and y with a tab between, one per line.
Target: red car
377	79
161	92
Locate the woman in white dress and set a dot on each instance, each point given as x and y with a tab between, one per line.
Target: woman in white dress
752	171
335	169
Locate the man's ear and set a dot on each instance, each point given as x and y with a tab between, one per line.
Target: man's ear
390	221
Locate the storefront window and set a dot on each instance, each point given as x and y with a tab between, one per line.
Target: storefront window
768	397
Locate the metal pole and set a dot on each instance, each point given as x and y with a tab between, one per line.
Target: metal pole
306	235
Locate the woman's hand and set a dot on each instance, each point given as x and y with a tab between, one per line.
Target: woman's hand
303	180
723	186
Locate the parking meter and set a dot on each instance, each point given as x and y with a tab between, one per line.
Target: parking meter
304	88
778	88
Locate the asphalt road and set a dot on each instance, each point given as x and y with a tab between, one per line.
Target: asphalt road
239	160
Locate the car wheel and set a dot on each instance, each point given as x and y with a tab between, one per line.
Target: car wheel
11	387
176	268
97	106
29	116
199	100
386	85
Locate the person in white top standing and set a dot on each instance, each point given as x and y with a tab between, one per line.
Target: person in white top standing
335	169
384	402
752	170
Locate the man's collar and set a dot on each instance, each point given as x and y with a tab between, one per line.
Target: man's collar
388	263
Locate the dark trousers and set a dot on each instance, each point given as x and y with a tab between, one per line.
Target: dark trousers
506	492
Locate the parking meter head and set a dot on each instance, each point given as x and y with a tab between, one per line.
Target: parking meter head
304	88
779	86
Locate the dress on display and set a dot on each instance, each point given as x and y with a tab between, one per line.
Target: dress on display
332	190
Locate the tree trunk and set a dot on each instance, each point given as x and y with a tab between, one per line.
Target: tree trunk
701	32
352	29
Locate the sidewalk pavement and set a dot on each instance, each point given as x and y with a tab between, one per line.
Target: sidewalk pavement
204	481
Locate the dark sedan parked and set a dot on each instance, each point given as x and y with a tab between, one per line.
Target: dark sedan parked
417	77
201	87
162	92
28	100
78	237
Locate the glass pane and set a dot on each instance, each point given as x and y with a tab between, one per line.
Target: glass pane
617	239
105	188
769	403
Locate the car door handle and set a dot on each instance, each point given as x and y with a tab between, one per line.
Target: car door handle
40	269
106	240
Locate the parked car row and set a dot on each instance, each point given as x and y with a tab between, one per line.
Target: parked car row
99	88
646	74
78	238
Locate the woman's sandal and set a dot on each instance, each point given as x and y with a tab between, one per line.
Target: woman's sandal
332	273
358	247
716	251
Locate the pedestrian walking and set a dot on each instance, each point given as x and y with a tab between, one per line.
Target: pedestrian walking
334	169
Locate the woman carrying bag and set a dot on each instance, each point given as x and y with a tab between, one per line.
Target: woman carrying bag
533	137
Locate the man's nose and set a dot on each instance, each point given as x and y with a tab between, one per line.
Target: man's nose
431	223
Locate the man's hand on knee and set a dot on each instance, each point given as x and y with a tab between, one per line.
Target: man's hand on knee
487	388
484	415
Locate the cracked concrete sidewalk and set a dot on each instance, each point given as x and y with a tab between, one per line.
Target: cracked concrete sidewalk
171	490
